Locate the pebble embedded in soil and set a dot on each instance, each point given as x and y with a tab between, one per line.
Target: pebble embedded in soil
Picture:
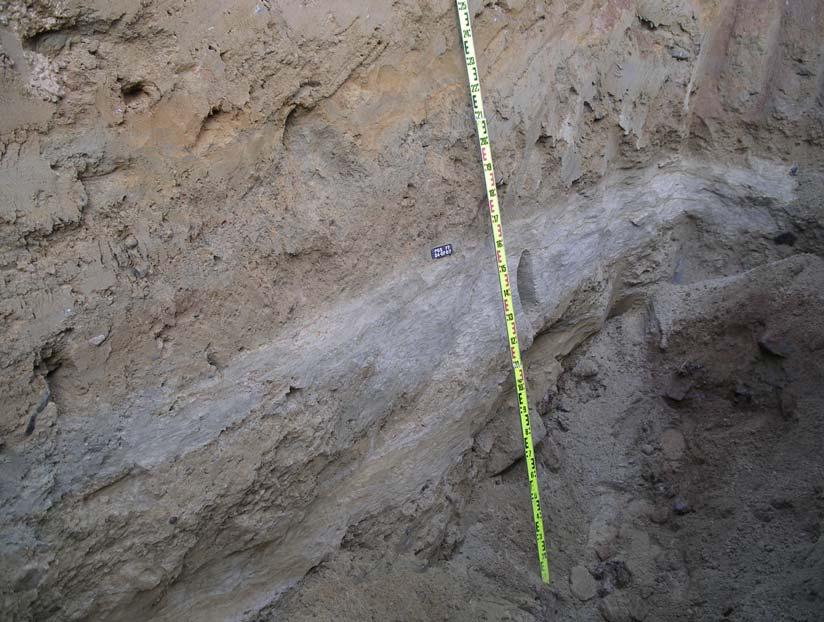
673	445
678	389
581	583
619	607
585	369
775	346
98	340
681	507
679	53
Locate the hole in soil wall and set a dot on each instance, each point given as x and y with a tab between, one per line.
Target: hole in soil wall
137	93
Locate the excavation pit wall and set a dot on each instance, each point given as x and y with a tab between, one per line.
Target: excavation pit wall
236	385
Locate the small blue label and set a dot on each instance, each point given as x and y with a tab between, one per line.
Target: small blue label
444	250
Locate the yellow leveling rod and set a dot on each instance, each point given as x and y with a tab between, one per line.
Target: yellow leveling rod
503	276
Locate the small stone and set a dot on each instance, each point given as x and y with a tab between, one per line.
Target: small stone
173	520
794	170
673	445
679	53
581	583
681	507
638	608
678	389
615	608
775	346
98	339
647	449
585	369
623	607
743	393
130	242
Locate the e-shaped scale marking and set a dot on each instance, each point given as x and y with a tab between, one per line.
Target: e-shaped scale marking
503	276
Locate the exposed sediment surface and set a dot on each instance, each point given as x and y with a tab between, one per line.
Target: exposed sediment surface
235	385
